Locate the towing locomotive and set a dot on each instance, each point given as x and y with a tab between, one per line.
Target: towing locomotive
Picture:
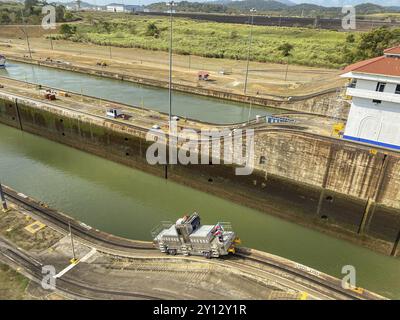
188	237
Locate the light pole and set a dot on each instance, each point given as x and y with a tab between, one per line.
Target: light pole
170	4
26	34
73	260
252	11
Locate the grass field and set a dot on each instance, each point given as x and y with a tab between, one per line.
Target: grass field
312	47
13	284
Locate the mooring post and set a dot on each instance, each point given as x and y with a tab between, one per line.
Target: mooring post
3	199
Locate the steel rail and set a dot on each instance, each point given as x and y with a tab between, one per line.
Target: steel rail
78	229
36	272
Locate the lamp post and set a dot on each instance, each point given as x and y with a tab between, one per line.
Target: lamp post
73	260
26	34
170	4
252	11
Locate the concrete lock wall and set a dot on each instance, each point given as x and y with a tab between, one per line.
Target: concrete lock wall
325	183
317	103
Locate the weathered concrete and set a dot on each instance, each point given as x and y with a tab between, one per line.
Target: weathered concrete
314	180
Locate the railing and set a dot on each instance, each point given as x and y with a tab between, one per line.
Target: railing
227	226
161	226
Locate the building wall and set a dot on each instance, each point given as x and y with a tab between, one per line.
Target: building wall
377	123
115	8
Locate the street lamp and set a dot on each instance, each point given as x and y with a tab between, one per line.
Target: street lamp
252	11
26	33
170	4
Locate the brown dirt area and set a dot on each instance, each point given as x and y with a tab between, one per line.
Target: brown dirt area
265	79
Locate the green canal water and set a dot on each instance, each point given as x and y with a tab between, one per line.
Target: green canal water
185	105
129	203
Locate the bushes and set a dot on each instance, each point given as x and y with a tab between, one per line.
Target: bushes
312	47
152	30
67	30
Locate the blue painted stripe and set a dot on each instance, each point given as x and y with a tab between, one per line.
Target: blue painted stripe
377	143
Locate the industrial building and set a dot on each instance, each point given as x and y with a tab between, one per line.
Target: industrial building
374	87
117	7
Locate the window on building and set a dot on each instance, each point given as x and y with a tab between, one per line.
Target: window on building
397	89
380	87
377	101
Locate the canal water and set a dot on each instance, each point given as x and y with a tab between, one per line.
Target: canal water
129	203
185	105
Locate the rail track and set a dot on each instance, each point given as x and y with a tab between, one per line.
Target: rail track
79	229
313	280
71	287
315	283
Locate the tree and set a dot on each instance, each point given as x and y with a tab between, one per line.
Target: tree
370	44
67	30
5	19
152	30
373	43
60	13
29	5
286	50
350	38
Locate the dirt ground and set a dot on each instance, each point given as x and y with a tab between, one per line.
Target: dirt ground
13	284
264	79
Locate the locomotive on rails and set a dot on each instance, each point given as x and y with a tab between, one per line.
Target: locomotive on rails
188	237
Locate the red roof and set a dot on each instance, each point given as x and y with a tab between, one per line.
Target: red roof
394	50
389	66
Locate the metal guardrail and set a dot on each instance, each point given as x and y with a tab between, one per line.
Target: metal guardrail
161	226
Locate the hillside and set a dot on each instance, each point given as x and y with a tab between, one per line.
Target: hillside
286	8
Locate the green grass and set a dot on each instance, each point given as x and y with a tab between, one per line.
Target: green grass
12	284
312	47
